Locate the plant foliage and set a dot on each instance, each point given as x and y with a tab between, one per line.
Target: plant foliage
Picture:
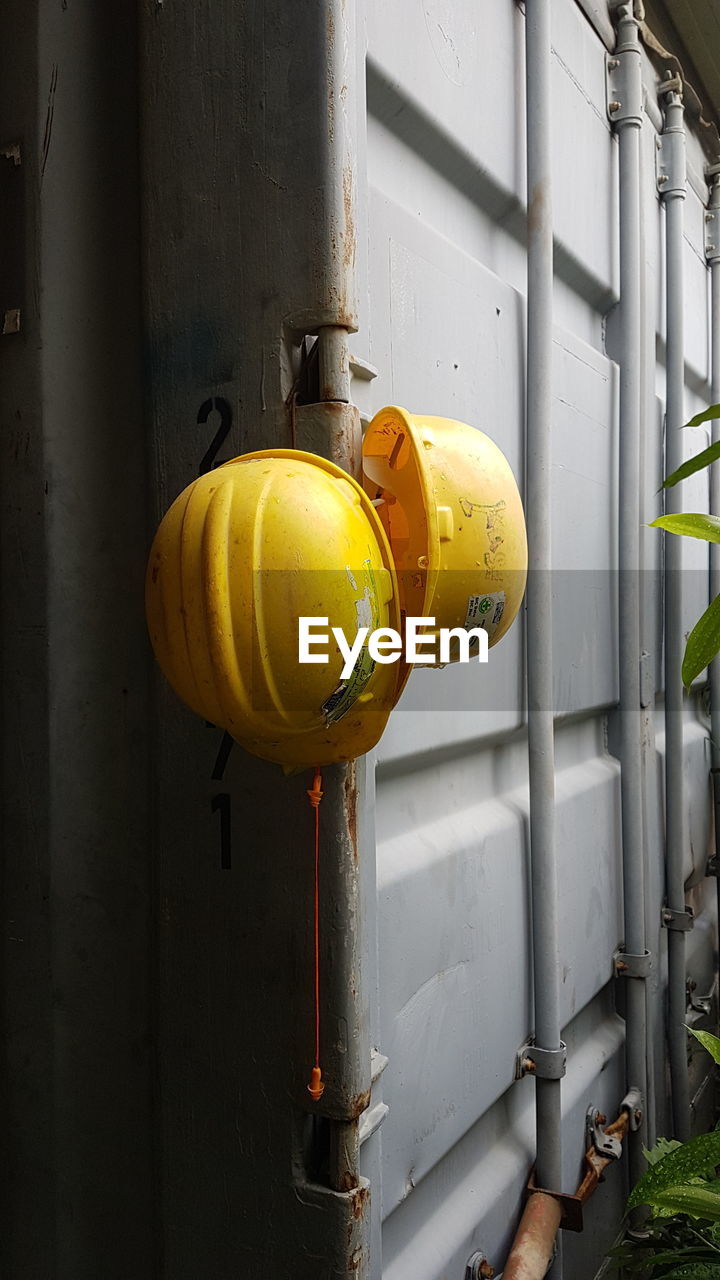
704	640
681	1240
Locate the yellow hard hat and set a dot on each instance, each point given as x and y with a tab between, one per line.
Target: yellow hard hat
454	519
242	554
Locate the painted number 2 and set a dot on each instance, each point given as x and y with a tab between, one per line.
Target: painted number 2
220	803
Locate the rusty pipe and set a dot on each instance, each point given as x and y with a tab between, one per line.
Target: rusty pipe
532	1248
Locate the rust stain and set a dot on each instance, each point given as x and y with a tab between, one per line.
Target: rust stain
351	800
537	208
349	212
360	1200
358	1104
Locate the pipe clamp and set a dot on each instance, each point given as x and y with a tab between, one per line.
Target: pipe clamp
712	236
546	1064
670	169
683	921
623	86
628	965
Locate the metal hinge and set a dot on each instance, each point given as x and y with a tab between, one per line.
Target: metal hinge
670	171
623	86
546	1064
712	231
681	920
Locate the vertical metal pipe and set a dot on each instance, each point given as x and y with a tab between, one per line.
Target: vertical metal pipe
673	196
713	255
539	594
628	122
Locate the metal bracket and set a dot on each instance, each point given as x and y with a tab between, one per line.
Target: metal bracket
712	234
572	1206
623	86
627	965
546	1064
681	920
595	1136
670	168
700	1004
633	1104
362	369
371	1120
373	1117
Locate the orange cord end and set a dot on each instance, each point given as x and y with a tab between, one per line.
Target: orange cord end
316	1088
315	793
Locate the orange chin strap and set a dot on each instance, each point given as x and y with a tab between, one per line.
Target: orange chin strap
316	1088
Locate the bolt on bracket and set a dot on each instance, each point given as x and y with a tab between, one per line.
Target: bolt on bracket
606	1144
670	163
546	1064
477	1267
633	1104
712	235
628	965
681	920
623	86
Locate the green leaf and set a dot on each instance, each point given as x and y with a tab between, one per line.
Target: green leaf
708	1041
704	459
662	1148
693	524
690	1198
702	645
694	1271
706	416
695	1158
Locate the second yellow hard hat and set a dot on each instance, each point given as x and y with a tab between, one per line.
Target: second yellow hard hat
454	519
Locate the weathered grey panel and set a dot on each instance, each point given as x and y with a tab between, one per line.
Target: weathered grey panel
248	237
78	1193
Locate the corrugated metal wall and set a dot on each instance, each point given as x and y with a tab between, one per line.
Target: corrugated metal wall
446	315
155	1013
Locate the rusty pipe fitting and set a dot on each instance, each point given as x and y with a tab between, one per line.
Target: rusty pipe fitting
532	1248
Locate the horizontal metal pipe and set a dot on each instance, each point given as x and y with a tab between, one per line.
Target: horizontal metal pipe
532	1248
